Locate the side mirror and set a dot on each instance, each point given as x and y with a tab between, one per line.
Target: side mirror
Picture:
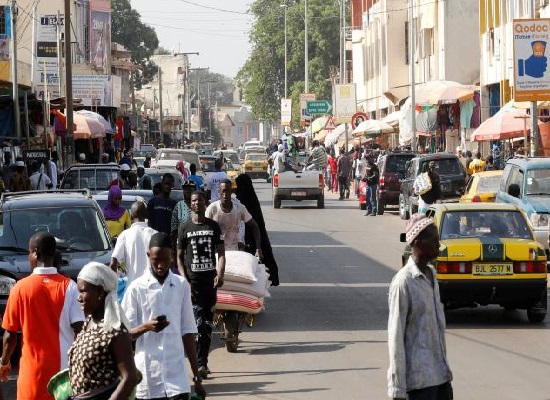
403	237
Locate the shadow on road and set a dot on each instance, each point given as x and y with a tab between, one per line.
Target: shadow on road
251	389
239	374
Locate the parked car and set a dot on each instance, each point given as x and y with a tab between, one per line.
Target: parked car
392	169
95	177
482	187
452	178
525	182
488	255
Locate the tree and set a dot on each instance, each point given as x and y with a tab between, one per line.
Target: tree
141	39
261	79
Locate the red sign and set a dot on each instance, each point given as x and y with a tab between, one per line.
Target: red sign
330	125
357	118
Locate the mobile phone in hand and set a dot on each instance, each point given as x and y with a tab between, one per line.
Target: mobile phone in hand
161	318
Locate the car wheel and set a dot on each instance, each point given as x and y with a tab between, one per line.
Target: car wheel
535	318
403	212
321	202
537	312
276	202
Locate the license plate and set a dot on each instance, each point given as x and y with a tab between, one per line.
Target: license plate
298	193
492	269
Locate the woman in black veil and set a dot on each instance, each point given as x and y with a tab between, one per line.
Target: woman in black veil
247	196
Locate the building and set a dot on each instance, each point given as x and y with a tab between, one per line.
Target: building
446	48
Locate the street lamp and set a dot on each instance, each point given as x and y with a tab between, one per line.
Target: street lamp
285	6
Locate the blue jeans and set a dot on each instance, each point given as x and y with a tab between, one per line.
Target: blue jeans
371	199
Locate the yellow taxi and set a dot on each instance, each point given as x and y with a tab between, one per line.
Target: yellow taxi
488	255
482	187
255	165
232	172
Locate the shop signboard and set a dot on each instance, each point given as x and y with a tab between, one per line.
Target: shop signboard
46	73
304	114
531	74
346	102
286	112
100	33
97	90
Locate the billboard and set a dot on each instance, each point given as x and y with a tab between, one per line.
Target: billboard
286	112
97	90
531	75
100	33
46	73
304	98
345	102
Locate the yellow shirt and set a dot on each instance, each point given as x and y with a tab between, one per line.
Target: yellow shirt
116	227
476	165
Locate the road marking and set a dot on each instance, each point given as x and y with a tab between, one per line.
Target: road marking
343	285
309	245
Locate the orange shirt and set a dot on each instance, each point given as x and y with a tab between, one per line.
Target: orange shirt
42	307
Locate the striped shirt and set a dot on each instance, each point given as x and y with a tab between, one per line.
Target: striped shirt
319	157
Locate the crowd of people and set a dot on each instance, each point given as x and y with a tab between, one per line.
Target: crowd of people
171	257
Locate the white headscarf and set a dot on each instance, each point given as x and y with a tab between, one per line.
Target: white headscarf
100	275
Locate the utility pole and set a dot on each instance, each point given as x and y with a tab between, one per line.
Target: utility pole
534	111
15	83
285	6
186	100
68	77
343	77
59	54
210	108
306	51
160	104
198	94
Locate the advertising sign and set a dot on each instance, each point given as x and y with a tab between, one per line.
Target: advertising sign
47	65
286	112
531	75
97	90
346	102
100	32
304	98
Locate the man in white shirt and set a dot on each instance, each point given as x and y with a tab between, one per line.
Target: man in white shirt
419	369
214	179
132	244
279	159
229	214
39	180
158	307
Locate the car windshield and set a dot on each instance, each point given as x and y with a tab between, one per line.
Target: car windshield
447	166
537	182
75	228
488	184
255	157
192	158
484	224
229	156
397	163
208	164
93	179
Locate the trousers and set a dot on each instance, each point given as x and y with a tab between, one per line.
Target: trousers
372	206
204	300
343	185
441	392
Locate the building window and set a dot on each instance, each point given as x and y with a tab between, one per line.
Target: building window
3	11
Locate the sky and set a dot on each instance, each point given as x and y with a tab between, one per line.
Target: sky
217	29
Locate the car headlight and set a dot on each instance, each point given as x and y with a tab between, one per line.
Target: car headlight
6	283
539	220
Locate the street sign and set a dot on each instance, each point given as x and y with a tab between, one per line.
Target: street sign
357	118
531	76
346	102
319	107
304	114
286	112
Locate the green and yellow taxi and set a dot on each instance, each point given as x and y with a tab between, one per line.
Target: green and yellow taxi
488	255
255	165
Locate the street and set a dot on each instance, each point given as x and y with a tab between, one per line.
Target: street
323	333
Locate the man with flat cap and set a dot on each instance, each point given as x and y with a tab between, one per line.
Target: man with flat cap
419	369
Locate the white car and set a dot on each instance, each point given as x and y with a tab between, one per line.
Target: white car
168	158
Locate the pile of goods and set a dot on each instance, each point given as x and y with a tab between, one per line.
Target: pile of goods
245	284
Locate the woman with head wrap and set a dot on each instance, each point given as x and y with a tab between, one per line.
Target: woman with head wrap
247	196
101	363
117	217
183	170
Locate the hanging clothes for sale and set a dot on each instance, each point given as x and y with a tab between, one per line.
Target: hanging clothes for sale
442	118
119	128
466	111
476	114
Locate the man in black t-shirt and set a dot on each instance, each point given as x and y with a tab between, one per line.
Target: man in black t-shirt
199	240
159	209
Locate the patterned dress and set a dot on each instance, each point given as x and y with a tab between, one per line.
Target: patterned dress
91	362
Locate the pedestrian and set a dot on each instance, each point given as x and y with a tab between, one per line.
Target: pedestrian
44	308
318	157
39	180
160	208
468	161
199	241
461	158
489	163
428	198
360	169
182	211
159	309
344	167
418	367
131	246
182	169
144	180
8	169
123	182
117	217
229	214
279	160
371	178
476	165
52	163
199	182
126	158
101	363
247	196
214	179
81	158
19	182
333	162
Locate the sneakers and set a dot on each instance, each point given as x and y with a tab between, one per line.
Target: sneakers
373	214
203	372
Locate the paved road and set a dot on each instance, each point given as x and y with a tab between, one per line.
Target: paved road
323	334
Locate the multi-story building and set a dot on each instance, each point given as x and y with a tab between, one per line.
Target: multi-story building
446	48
